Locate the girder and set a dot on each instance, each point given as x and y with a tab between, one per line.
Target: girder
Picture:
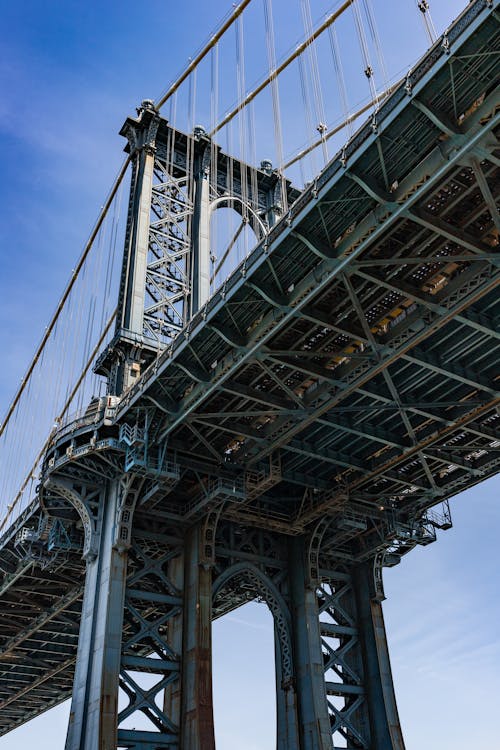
289	438
464	374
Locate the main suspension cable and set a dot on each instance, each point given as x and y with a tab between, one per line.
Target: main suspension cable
282	66
66	293
58	419
203	52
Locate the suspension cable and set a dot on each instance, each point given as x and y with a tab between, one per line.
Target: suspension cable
425	15
282	66
66	292
59	419
203	52
372	25
368	70
339	71
311	53
342	125
306	106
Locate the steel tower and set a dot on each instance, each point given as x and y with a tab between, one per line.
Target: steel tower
289	435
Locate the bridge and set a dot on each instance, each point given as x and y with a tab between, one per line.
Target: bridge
282	429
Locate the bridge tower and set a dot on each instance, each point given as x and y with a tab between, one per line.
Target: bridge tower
155	580
278	433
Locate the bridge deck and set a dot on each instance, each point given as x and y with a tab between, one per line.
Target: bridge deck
363	331
348	367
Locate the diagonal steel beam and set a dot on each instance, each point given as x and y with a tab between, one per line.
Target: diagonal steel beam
327	455
422	260
266	398
453	459
317	247
468	317
279	382
233	428
448	231
322	319
363	429
454	370
205	442
371	187
486	192
438	118
386	375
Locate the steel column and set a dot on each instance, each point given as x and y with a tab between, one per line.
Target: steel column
384	720
201	234
197	726
172	696
287	729
93	717
314	725
133	313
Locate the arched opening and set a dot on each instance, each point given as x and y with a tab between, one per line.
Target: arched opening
244	679
235	229
240	590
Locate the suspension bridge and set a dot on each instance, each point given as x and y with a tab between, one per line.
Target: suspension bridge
270	377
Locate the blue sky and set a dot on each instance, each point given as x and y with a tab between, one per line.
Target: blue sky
70	72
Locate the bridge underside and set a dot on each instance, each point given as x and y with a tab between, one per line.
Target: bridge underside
340	385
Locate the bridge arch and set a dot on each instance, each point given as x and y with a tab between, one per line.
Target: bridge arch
68	492
255	581
251	578
232	222
241	207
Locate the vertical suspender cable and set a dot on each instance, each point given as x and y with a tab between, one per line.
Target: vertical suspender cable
307	112
372	25
240	73
253	157
273	77
425	15
214	109
315	76
339	73
368	70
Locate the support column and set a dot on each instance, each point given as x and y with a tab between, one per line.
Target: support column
141	135
287	730
201	229
93	717
314	724
173	692
385	728
197	724
133	312
122	359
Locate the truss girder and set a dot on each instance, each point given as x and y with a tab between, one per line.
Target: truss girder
303	384
238	357
354	351
167	272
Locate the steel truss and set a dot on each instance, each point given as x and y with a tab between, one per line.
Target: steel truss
290	441
177	181
146	621
167	273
